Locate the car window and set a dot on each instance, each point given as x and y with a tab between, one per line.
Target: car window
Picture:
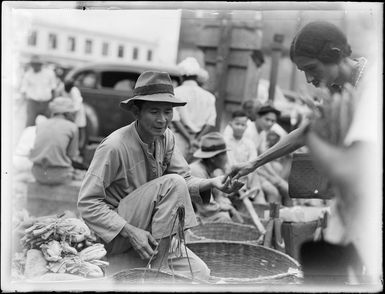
118	80
87	79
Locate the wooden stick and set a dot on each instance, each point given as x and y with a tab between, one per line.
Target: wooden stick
250	208
269	233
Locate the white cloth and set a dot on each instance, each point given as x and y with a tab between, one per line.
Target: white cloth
26	141
80	116
356	217
38	86
21	161
200	108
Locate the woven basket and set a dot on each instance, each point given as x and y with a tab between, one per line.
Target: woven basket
225	231
146	276
240	262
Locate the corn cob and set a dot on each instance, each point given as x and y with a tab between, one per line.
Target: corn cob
91	270
67	248
100	263
95	251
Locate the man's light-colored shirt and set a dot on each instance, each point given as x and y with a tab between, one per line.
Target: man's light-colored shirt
251	133
200	108
121	164
56	143
242	150
38	86
258	138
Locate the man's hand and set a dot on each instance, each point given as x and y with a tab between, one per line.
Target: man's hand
226	186
237	171
140	240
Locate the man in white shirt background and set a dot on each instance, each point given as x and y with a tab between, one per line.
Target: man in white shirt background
37	87
198	117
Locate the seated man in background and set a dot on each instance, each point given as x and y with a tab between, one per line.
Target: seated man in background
212	161
138	180
56	144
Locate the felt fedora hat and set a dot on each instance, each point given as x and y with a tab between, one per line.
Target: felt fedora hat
211	144
155	87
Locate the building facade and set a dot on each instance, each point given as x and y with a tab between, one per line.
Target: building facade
71	47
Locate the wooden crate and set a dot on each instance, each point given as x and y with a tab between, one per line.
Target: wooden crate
295	233
51	199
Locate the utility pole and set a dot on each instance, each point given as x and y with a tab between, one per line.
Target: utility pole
275	56
294	71
222	63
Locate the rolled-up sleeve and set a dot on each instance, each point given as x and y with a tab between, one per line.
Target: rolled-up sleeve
92	203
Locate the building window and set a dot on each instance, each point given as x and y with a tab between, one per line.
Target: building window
105	49
149	55
71	44
120	51
32	38
52	41
135	53
88	49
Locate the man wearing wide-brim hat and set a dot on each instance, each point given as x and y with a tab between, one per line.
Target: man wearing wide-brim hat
37	87
212	160
138	180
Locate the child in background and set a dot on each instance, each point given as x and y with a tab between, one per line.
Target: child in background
243	149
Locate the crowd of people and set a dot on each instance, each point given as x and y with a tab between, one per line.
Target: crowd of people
172	159
49	147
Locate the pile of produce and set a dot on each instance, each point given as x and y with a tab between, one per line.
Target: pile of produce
59	244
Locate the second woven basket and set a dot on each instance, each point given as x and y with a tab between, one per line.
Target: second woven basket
225	231
240	262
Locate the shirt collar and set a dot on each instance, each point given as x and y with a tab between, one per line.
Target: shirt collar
143	144
190	83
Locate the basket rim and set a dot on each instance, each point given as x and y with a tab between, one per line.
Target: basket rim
138	269
248	244
221	223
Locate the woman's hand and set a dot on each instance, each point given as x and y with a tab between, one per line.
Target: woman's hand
237	171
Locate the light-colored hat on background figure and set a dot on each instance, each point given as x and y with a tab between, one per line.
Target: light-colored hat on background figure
211	144
35	59
189	67
155	87
203	76
62	105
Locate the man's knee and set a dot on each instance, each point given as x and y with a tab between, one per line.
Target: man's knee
175	180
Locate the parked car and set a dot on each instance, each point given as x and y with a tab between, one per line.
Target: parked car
103	86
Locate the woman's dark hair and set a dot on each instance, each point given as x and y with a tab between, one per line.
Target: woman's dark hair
238	113
321	40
